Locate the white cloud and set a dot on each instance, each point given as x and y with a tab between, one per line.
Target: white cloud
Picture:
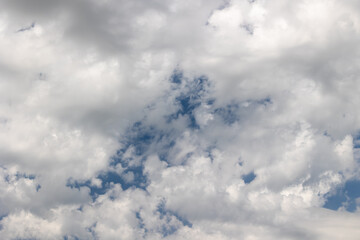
267	87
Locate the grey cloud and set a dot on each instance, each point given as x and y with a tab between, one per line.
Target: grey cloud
268	87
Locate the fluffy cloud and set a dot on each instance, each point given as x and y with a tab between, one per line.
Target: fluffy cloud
179	119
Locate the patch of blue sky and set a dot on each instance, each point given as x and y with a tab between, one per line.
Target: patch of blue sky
24	175
91	230
210	101
345	196
187	107
70	237
224	5
357	143
143	139
1	218
177	76
166	214
209	152
356	146
19	176
24	238
109	178
256	103
232	112
139	136
94	191
229	113
139	179
264	101
190	98
141	223
248	178
27	28
356	140
166	146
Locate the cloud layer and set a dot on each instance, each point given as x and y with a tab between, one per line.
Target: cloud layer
179	119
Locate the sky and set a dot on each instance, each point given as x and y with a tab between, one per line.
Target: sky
179	119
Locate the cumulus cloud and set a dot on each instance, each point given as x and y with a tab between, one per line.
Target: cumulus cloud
179	119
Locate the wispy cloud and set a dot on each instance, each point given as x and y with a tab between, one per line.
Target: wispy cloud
27	28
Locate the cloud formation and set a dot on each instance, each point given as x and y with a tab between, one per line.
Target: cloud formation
179	119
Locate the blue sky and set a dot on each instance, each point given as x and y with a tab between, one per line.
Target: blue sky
179	119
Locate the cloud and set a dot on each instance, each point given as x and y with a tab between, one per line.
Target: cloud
179	119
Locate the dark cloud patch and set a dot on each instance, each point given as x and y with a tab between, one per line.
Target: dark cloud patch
27	28
249	28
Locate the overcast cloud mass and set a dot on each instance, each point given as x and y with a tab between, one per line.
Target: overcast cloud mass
179	119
